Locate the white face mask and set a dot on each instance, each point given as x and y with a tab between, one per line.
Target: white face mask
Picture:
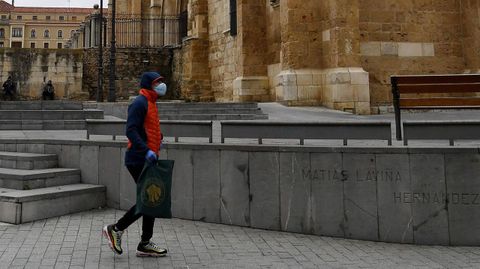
161	89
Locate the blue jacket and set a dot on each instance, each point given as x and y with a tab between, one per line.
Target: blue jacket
135	130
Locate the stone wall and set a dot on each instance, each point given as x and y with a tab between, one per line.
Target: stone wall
335	53
130	64
402	195
30	68
410	37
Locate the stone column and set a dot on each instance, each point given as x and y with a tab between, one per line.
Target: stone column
196	84
471	34
321	55
346	84
252	82
299	81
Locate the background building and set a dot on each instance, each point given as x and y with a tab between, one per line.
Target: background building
37	27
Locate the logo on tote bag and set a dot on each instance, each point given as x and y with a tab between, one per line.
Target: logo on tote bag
154	193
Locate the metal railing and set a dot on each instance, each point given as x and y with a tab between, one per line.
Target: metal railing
131	31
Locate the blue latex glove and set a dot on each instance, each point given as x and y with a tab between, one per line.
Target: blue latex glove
151	157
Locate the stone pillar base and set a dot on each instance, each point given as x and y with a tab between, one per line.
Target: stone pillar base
345	89
251	89
299	87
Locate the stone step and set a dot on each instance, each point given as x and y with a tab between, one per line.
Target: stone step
41	105
51	114
168	105
42	124
27	161
21	206
33	179
210	111
213	116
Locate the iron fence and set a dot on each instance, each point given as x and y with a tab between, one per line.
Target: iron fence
132	31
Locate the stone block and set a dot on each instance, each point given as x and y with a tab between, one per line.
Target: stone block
389	48
182	183
109	173
53	149
35	148
463	186
362	108
370	49
326	35
430	219
290	92
359	77
206	185
10	212
410	49
360	197
395	217
89	159
343	93
264	190
235	193
295	193
428	49
327	176
338	76
361	93
42	209
70	156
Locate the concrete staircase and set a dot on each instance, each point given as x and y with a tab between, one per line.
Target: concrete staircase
210	111
32	187
45	115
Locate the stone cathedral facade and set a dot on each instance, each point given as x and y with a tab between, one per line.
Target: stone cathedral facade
335	53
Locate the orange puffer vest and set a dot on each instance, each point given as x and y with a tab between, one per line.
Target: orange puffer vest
151	122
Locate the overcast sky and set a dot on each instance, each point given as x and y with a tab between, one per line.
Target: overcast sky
57	3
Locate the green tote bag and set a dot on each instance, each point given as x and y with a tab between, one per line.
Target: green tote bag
154	190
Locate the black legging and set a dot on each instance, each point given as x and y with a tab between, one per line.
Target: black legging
130	217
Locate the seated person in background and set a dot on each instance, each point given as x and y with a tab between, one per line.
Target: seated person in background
9	89
48	91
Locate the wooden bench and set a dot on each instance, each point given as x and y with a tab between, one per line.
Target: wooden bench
433	85
307	130
174	129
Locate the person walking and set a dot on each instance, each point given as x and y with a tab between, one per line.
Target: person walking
144	141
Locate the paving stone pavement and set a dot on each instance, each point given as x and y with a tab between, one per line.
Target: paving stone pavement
75	241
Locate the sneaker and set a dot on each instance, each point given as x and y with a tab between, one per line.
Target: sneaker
114	238
150	250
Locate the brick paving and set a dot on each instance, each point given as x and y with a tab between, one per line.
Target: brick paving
75	241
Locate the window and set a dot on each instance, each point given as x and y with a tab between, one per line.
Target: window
60	34
74	18
2	44
2	33
45	45
46	34
19	18
33	33
62	18
32	45
233	17
47	18
59	45
17	45
4	17
35	18
17	32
